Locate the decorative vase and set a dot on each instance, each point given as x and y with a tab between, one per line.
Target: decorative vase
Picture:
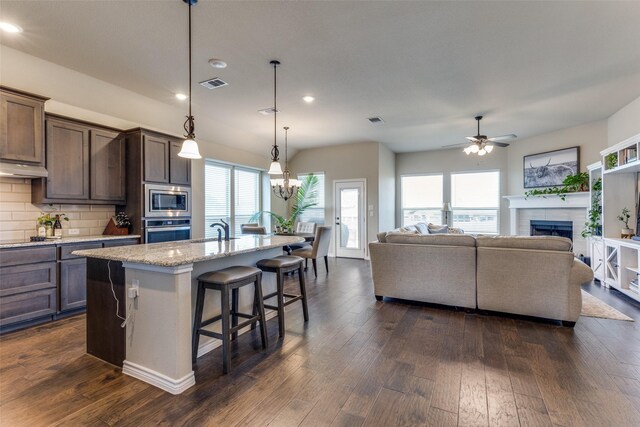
49	230
627	231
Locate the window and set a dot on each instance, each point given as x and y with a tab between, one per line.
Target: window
315	213
475	201
421	199
231	193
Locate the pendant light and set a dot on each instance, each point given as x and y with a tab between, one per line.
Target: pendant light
286	186
190	146
275	168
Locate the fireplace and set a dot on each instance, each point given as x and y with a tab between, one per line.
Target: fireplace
552	228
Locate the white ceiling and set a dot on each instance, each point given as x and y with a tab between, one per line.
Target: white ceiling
427	68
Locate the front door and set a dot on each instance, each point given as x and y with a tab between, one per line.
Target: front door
350	220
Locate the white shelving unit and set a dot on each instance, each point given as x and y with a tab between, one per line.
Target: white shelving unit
621	257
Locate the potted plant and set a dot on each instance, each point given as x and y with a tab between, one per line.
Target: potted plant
571	184
611	160
624	218
46	220
593	226
303	199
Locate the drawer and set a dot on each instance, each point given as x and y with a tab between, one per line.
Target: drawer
27	306
19	256
26	278
123	242
65	250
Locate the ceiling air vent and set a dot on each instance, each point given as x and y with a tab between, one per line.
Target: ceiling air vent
214	83
375	120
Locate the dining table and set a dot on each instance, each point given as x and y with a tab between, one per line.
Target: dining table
308	238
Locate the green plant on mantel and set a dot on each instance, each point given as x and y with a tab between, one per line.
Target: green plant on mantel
571	184
593	227
304	199
611	160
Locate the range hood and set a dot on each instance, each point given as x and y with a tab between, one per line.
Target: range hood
17	170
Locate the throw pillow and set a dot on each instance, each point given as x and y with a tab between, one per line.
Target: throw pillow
422	228
438	229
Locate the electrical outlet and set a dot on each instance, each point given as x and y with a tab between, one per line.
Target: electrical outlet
134	290
74	231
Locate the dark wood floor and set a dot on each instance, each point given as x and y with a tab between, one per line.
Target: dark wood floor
357	362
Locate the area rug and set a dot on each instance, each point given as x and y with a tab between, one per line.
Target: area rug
593	307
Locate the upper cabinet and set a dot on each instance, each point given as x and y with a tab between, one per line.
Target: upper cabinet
161	161
107	166
156	158
180	167
86	164
21	127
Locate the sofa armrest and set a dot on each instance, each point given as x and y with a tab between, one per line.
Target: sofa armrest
580	273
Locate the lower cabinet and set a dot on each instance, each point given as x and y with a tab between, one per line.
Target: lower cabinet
42	283
73	284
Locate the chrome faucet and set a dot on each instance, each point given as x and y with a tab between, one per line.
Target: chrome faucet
223	226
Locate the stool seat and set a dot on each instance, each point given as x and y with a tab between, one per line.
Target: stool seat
229	275
279	262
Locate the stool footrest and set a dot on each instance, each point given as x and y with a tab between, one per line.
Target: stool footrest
271	295
245	323
293	299
210	333
210	321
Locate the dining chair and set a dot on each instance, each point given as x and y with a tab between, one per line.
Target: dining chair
253	228
320	248
306	227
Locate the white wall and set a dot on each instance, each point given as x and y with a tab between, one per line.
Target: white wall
386	188
625	123
453	160
349	161
590	137
80	96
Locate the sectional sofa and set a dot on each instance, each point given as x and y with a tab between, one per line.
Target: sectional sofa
533	276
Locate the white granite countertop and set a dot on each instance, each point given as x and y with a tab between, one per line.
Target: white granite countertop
66	240
171	254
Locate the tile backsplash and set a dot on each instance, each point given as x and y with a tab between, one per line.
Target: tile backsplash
18	215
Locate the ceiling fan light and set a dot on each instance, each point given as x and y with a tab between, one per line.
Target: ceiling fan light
488	148
474	148
190	150
467	151
482	152
275	169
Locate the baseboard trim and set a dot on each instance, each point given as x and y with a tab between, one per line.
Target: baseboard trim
173	386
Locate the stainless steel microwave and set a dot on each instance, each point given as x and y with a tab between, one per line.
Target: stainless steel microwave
167	201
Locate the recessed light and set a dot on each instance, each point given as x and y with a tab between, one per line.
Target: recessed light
181	96
308	99
217	63
10	28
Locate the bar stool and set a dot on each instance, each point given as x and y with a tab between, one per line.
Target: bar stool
282	265
225	280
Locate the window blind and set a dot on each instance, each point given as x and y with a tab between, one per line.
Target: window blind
247	196
422	197
217	204
475	201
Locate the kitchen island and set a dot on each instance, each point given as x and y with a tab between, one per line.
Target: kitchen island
140	302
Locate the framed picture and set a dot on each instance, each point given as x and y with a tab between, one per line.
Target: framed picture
551	168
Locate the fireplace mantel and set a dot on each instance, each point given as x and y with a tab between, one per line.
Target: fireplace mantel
550	207
572	200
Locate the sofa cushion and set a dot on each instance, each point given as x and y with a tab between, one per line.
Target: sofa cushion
548	243
438	229
432	239
382	237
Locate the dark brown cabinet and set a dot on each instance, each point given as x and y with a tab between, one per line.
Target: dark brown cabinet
21	127
73	284
156	158
42	283
179	167
162	163
28	285
67	161
86	164
107	166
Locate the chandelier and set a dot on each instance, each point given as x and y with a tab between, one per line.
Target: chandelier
190	146
286	186
275	168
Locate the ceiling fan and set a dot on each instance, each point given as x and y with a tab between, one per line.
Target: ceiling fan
481	144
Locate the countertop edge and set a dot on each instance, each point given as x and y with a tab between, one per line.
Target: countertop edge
68	240
167	262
